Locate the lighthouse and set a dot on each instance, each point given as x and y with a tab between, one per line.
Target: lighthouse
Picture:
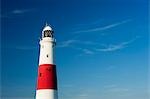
47	79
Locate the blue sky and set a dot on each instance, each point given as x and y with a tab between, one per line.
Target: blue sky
101	53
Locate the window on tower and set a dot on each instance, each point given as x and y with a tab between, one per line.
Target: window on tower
47	55
40	74
47	33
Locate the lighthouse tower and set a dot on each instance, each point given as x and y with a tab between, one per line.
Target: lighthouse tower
47	79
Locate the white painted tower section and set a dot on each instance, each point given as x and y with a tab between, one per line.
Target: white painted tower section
47	44
46	51
46	94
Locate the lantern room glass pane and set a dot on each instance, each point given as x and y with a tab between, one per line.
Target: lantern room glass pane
47	34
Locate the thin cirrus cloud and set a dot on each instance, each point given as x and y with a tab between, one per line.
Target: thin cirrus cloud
67	43
85	51
71	42
104	28
15	12
120	89
115	88
106	48
21	11
112	47
82	96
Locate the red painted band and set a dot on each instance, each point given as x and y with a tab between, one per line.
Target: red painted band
47	78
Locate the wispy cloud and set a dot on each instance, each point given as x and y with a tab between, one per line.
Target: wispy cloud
71	42
87	51
67	43
83	46
82	96
115	88
20	11
105	27
15	12
112	47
